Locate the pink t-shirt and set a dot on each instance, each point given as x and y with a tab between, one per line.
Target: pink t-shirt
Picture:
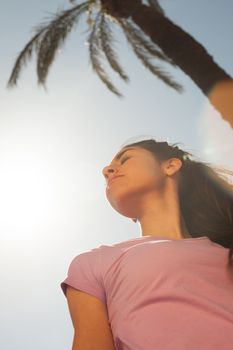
161	294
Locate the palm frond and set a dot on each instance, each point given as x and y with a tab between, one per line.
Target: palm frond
24	57
137	36
95	49
106	37
145	57
156	70
55	34
45	42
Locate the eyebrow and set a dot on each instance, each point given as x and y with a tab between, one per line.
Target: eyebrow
120	154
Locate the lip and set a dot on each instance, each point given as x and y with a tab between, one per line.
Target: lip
113	178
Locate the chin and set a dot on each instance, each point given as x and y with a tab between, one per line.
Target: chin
125	206
126	213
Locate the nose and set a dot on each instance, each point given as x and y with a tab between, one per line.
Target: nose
107	171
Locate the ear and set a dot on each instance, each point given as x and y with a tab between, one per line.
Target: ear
172	166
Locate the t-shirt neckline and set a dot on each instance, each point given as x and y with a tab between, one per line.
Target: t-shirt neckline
170	239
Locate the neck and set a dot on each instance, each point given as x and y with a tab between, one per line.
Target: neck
162	217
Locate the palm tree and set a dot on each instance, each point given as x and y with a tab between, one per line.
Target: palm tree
151	35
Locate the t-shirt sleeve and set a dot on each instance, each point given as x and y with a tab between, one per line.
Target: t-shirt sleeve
84	274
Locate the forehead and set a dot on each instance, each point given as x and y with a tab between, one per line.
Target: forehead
122	151
125	149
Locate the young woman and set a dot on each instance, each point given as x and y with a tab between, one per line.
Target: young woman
171	288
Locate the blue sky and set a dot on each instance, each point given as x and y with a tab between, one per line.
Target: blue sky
54	143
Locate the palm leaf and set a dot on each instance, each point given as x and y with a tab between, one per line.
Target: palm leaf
156	70
24	57
55	34
142	40
95	49
106	37
145	57
45	42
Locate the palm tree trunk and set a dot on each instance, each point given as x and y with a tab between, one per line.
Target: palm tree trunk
188	54
182	48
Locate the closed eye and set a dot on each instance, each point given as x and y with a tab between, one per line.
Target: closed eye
124	159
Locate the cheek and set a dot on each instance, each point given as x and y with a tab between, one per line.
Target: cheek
149	178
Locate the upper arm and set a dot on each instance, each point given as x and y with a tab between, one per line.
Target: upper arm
90	320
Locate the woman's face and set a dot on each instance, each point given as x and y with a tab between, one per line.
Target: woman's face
133	178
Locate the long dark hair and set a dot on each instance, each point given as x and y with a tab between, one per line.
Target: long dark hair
205	195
